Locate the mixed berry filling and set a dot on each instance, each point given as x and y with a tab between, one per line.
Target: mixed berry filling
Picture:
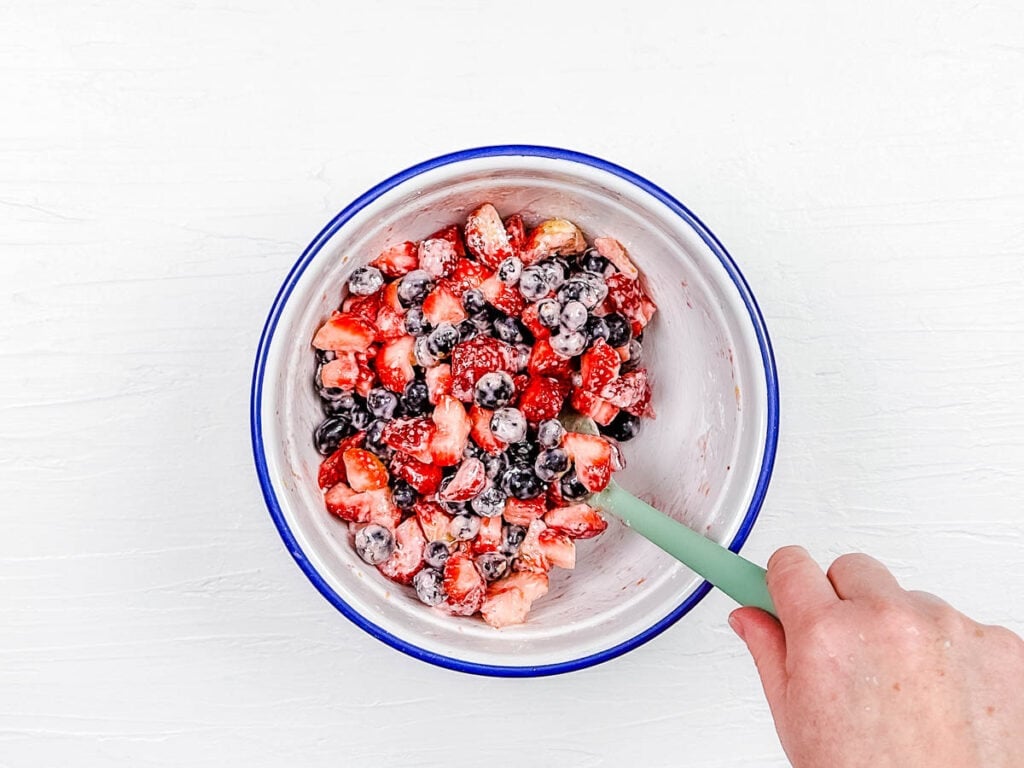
446	376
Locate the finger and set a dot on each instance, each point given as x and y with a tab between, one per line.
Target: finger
767	644
857	575
797	584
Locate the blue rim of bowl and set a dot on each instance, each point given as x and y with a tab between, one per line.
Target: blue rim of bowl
767	357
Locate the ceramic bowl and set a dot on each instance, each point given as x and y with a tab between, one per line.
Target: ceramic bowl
706	459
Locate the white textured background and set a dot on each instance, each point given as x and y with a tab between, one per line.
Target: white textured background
162	165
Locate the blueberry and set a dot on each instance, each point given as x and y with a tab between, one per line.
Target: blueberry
623	427
492	565
415	398
522	454
473	451
331	431
550	433
361	417
522	483
511	539
509	270
594	262
325	355
509	424
374	444
596	328
549	313
342	401
571	487
532	283
569	344
582	290
435	554
494	390
467	330
464	527
455	507
490	502
554	271
381	402
403	494
415	323
414	287
494	466
483	324
365	280
508	329
442	340
421	351
636	354
429	585
473	301
574	316
551	464
619	331
374	543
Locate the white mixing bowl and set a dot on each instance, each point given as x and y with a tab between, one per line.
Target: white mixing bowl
706	459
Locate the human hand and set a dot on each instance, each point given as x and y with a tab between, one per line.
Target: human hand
860	672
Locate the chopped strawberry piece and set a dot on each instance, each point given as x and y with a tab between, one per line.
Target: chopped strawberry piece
542	398
507	298
364	470
516	231
531	555
489	538
558	548
626	390
544	362
578	521
390	323
437	257
345	332
643	407
394	363
519	382
533	324
589	404
524	511
345	503
509	600
592	456
598	366
555	498
453	234
434	521
423	477
381	508
452	434
468	481
551	237
480	431
628	297
486	237
364	307
332	469
614	251
365	381
411	436
389	296
407	558
468	274
443	306
397	260
342	372
472	359
463	585
439	382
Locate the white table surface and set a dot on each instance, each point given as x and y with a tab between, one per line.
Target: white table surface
161	167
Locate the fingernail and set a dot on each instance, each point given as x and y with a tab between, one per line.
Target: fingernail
737	626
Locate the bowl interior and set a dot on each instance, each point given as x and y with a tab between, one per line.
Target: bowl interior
698	461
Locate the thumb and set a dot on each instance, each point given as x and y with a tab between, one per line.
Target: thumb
767	644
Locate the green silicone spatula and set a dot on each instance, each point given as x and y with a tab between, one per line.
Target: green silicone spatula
739	578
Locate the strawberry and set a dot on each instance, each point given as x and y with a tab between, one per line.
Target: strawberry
365	380
452	434
332	469
345	332
394	363
345	503
592	456
453	234
524	512
480	430
389	296
380	508
558	548
364	307
507	298
626	390
411	436
468	274
463	585
397	260
439	381
578	521
364	470
472	359
628	297
599	365
555	498
443	306
516	231
468	481
589	404
342	372
542	398
407	558
614	251
390	323
437	257
486	237
544	362
533	324
433	520
551	237
509	600
531	556
489	538
423	477
643	407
